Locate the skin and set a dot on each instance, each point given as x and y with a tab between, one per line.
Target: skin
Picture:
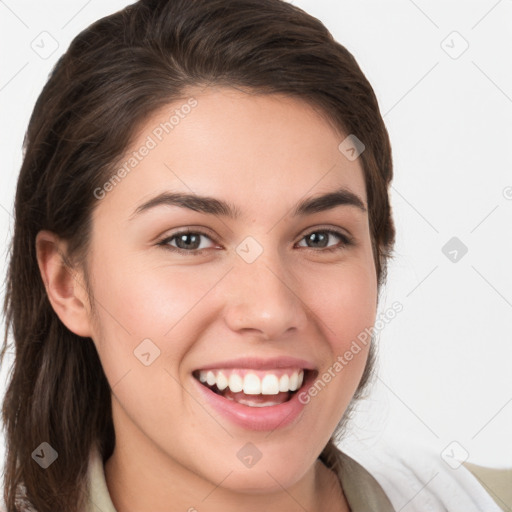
263	154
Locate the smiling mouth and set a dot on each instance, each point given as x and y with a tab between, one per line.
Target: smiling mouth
255	388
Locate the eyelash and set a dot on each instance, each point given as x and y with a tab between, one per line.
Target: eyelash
346	241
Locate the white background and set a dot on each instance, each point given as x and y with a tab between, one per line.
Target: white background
445	360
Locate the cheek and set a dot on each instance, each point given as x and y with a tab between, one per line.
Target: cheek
344	304
141	339
137	302
344	301
148	299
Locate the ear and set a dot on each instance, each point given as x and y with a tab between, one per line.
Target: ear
64	285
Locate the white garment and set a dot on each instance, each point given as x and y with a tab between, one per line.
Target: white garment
415	478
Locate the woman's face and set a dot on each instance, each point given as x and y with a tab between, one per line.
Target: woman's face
266	284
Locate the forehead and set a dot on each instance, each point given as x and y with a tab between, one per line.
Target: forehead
250	149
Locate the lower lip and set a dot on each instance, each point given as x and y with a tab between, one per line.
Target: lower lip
257	418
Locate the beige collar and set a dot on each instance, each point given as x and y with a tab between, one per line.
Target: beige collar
361	490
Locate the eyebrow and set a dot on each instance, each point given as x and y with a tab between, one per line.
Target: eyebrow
212	206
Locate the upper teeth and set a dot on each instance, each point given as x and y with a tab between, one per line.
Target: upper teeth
252	383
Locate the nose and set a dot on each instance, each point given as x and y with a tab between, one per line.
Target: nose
263	299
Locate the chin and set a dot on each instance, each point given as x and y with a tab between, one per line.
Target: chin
270	474
260	482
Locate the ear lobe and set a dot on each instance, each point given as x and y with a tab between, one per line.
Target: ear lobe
64	285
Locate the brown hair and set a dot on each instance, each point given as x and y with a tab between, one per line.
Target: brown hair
114	75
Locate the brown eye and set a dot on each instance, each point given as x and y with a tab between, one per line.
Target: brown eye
320	239
186	242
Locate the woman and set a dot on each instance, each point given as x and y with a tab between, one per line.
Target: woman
202	230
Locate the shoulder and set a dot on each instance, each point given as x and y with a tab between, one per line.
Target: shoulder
417	478
497	482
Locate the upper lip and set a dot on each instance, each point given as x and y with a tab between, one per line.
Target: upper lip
260	363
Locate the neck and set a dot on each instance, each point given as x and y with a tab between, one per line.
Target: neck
132	488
